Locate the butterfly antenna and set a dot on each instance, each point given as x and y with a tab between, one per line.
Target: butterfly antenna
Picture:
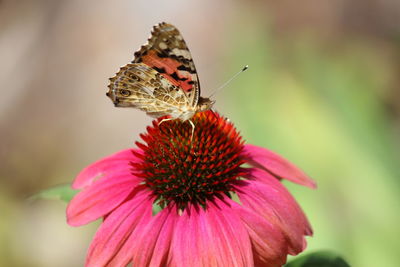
228	81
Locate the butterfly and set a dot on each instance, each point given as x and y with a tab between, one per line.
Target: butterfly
162	79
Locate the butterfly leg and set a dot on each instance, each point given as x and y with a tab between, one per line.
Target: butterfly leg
164	120
213	112
191	123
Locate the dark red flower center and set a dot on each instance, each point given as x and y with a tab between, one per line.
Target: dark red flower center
184	169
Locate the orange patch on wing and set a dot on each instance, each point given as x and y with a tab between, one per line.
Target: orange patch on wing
171	66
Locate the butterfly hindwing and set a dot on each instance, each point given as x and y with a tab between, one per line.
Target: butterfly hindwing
167	53
140	86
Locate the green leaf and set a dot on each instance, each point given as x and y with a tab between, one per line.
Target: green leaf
156	208
62	192
318	259
235	197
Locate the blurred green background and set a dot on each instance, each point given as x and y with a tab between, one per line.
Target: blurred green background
322	90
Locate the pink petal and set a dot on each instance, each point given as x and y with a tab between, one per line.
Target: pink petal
117	162
187	238
268	242
211	237
116	229
269	198
235	232
271	162
154	240
162	248
100	198
148	244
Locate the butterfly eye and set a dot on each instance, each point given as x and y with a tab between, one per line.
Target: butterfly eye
124	92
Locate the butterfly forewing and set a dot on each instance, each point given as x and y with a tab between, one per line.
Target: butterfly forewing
167	52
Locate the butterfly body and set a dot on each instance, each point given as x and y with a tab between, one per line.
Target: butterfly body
161	80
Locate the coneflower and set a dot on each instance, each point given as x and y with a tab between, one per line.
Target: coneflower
220	201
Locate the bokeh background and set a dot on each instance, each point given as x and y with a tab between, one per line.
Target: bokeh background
322	90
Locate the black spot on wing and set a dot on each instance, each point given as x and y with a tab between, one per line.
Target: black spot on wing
162	55
188	69
177	78
160	70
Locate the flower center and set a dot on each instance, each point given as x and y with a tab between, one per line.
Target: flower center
182	169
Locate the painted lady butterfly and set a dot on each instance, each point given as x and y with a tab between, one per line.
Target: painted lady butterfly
162	79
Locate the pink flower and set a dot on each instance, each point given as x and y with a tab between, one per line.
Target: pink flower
216	211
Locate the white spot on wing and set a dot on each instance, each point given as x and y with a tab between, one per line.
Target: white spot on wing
181	52
163	45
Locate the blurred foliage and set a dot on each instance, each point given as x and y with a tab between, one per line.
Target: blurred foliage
61	192
322	106
318	259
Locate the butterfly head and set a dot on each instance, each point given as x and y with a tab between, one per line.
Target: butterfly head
204	104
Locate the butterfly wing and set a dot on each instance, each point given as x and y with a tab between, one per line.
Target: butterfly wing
167	53
140	86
